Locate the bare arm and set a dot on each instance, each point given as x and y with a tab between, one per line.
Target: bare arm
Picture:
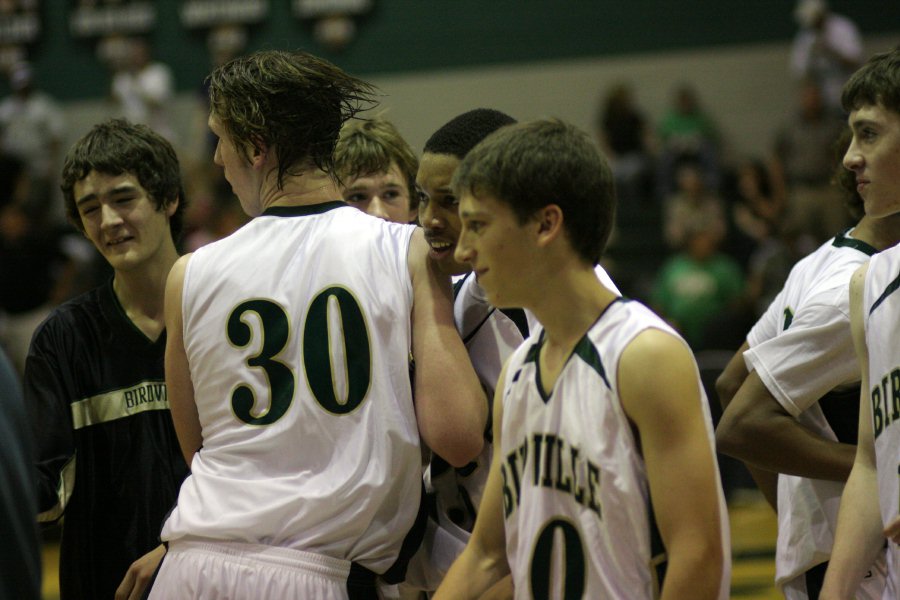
759	431
859	535
451	407
727	385
179	387
666	409
483	561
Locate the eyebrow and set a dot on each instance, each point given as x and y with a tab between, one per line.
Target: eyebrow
862	122
357	186
119	189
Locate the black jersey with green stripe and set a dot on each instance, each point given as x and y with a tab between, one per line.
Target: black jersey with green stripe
107	455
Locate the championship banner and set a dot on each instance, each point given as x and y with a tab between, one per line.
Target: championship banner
213	13
96	18
20	22
334	21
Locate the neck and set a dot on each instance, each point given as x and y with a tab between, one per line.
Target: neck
879	233
312	187
577	300
141	292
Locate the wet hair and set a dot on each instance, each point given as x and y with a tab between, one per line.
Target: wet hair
875	83
115	147
370	147
459	135
530	165
293	102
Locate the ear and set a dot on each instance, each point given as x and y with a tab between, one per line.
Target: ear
549	221
257	153
172	206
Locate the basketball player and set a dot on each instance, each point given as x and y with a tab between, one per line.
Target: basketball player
869	506
377	170
600	425
489	335
107	455
795	412
287	361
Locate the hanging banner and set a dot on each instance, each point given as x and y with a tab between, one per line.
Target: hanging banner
20	22
90	18
211	13
333	21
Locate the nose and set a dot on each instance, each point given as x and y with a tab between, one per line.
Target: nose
463	252
217	155
427	216
109	216
378	208
852	158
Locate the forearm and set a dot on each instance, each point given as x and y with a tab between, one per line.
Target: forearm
767	482
694	570
859	536
782	445
471	574
758	430
451	405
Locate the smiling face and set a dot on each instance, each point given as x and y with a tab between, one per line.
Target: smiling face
438	210
874	157
122	221
498	249
383	195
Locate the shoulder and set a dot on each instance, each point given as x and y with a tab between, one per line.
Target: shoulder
68	321
828	269
655	364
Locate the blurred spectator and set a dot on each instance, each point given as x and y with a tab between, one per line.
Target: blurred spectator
36	269
804	164
32	128
771	263
624	134
827	49
692	203
213	212
687	131
753	211
142	88
698	284
223	42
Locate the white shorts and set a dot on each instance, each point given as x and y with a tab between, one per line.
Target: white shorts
239	571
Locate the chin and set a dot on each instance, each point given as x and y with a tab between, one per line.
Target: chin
452	268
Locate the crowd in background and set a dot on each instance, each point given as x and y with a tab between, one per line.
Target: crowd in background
706	241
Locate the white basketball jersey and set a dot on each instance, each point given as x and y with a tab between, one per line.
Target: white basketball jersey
490	337
297	332
881	303
802	350
576	496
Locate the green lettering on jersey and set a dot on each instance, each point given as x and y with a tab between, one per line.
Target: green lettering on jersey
573	578
788	318
275	330
317	356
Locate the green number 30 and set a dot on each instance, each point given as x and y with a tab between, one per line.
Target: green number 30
317	359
